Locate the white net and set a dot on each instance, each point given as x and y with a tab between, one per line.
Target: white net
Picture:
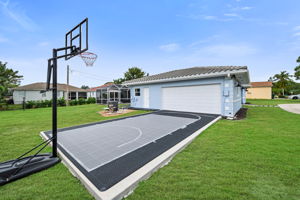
88	58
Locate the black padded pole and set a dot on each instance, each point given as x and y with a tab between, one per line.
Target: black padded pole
54	105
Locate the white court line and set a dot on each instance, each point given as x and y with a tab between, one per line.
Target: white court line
135	139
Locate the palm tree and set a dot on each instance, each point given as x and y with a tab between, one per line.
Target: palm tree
282	80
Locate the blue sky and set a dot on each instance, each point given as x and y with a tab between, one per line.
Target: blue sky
157	36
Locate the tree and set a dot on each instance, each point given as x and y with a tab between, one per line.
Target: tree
297	70
119	81
282	81
8	79
132	73
85	87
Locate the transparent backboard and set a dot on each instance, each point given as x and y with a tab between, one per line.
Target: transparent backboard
77	39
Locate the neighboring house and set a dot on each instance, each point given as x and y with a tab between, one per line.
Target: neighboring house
112	92
260	90
91	92
215	90
36	92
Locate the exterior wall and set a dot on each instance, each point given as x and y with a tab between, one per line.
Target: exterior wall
33	96
91	94
230	102
237	99
259	93
244	95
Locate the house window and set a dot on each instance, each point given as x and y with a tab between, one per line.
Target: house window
137	92
82	95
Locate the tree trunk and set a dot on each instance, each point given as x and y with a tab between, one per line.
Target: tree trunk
282	91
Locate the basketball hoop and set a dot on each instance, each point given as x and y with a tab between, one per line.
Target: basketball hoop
89	58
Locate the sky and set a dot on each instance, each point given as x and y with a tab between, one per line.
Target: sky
156	35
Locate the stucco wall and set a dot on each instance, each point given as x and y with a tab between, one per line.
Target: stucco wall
33	96
259	93
230	98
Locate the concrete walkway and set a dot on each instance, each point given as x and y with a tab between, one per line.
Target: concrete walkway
294	108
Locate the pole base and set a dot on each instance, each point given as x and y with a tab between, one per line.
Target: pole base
13	169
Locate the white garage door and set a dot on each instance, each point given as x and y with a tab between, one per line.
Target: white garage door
200	98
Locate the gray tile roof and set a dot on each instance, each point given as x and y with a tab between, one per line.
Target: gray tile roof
188	72
42	86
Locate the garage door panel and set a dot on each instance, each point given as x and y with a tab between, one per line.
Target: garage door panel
201	98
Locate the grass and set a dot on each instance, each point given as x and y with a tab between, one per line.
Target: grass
255	158
272	102
19	131
10	107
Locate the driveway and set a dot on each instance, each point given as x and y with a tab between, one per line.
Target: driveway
294	108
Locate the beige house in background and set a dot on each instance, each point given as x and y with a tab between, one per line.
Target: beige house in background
259	90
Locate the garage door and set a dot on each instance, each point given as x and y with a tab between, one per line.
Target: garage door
200	98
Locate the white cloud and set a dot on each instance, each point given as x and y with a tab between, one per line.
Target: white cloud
221	54
239	8
246	8
205	40
229	50
210	17
297	34
231	15
297	28
170	47
3	39
42	44
17	14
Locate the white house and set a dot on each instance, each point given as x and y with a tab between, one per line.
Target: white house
36	92
215	90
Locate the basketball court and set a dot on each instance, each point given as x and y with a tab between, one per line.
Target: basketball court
106	152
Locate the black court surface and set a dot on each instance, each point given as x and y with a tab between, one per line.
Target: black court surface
108	151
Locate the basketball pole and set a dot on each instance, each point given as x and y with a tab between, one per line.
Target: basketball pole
54	105
68	70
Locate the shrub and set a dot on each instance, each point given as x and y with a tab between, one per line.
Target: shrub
49	102
37	104
61	102
30	104
73	102
45	103
91	100
81	101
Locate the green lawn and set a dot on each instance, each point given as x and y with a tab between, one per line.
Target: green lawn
272	102
19	132
4	107
255	158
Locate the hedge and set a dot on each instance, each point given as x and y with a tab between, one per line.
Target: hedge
60	102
